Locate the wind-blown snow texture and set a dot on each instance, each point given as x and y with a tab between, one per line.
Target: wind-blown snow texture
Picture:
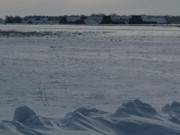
132	118
57	69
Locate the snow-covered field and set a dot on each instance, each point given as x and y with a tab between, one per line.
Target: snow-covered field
55	70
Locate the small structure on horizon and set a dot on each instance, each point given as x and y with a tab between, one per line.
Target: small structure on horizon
94	19
154	19
117	19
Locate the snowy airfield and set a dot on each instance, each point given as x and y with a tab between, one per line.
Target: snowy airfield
56	70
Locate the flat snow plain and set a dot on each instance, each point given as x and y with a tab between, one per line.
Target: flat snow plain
91	66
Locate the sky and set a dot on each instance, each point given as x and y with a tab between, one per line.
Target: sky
61	7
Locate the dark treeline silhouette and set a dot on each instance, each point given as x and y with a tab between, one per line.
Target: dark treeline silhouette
92	19
11	19
135	19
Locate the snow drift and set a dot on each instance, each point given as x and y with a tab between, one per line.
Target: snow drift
132	118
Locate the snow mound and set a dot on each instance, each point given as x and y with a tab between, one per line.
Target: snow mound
87	111
82	118
173	111
173	108
136	107
132	118
27	117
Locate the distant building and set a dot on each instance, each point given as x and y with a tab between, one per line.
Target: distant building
154	19
53	20
94	19
73	19
116	19
35	20
41	20
173	19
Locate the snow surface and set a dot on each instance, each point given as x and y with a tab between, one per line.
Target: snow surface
134	118
57	69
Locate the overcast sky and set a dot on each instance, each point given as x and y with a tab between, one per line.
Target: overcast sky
60	7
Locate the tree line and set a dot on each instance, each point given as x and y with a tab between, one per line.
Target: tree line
81	19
